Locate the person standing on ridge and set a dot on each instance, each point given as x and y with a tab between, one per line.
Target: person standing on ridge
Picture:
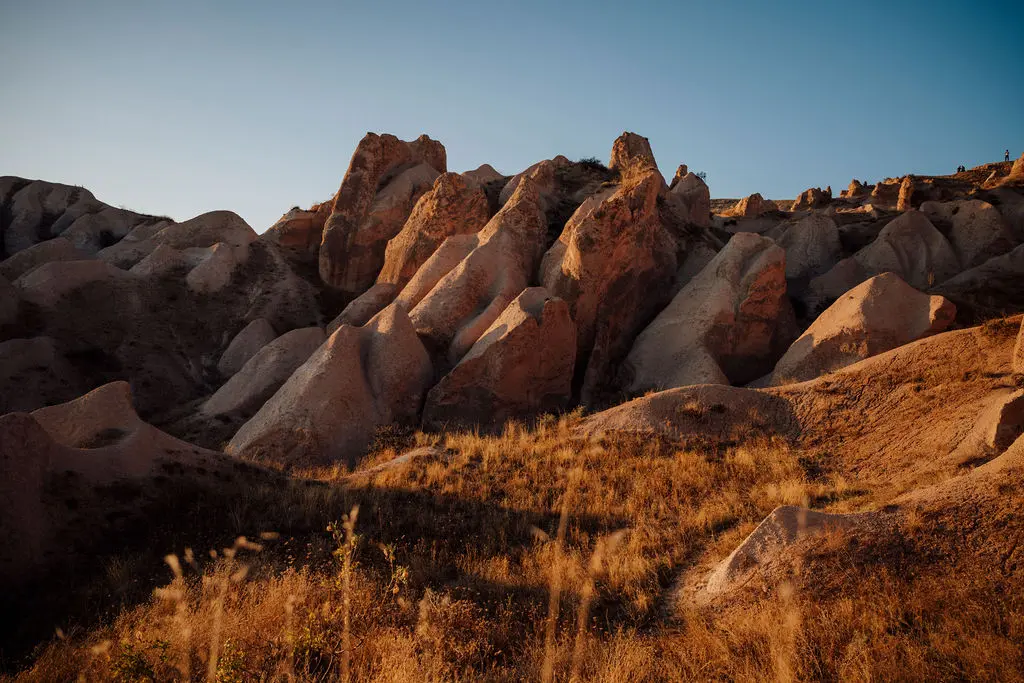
1006	155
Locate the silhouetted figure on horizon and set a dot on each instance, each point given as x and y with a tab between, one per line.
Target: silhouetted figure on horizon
1006	155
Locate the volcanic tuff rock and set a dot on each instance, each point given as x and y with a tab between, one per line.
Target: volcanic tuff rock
990	290
464	302
354	238
696	198
631	151
975	229
57	249
8	303
204	230
728	325
365	306
611	263
812	198
751	206
264	373
300	229
95	448
521	366
361	378
451	207
875	316
482	175
909	246
35	372
245	345
812	246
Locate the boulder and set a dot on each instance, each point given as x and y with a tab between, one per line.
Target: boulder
728	325
451	207
812	198
614	264
695	196
631	151
264	373
856	189
875	316
50	251
466	300
361	378
812	246
786	526
521	366
886	193
245	345
1017	170
100	229
52	282
909	246
352	250
1010	204
365	306
213	272
975	229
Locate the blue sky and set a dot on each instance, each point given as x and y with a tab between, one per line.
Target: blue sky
183	107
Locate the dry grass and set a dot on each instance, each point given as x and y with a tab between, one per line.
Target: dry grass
534	555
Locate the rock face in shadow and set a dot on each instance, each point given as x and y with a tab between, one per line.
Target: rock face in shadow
360	379
993	289
909	246
875	316
74	473
245	345
728	325
613	264
521	366
498	266
384	179
812	246
975	229
57	249
264	373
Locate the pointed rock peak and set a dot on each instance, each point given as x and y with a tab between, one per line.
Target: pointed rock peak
631	150
680	174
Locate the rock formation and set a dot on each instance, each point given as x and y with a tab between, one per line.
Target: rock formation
57	249
468	298
812	198
875	316
264	373
631	151
695	197
520	366
728	325
812	246
909	246
245	345
613	264
751	206
975	229
360	379
384	179
451	207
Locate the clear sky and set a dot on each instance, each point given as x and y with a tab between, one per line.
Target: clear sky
179	107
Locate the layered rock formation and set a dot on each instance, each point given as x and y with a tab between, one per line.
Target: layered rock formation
728	325
360	379
613	263
385	178
520	366
875	316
